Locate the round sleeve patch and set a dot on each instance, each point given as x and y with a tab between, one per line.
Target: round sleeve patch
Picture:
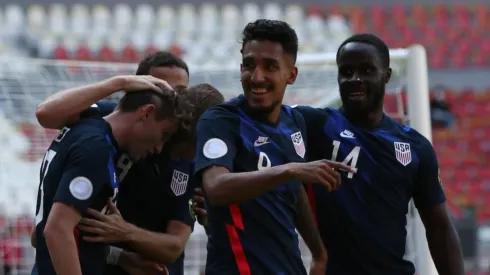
81	188
215	148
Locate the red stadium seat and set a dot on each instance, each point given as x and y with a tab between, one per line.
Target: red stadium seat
61	52
151	49
129	54
83	53
107	54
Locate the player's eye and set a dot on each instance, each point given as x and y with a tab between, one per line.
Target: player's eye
346	71
248	65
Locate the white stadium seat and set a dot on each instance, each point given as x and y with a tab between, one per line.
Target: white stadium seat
80	21
58	19
36	18
251	12
273	11
101	18
144	17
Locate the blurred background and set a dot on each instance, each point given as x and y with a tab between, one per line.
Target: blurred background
47	47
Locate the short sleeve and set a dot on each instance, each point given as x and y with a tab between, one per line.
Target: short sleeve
101	108
89	168
217	136
428	187
182	210
314	120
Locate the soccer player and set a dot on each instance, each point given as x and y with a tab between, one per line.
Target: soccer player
163	201
251	158
161	204
363	222
78	172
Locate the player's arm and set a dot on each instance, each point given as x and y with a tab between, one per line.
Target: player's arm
306	226
430	201
163	248
167	247
66	106
217	140
86	173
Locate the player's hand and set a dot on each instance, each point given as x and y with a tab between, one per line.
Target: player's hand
110	228
199	208
134	264
134	83
322	172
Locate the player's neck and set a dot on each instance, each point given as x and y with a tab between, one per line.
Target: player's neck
371	120
267	116
119	124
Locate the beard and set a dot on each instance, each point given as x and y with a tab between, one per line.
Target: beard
374	98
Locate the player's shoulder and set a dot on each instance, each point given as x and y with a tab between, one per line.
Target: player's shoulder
92	133
227	110
413	136
314	115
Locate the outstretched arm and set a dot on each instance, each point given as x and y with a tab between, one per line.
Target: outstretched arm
217	145
65	107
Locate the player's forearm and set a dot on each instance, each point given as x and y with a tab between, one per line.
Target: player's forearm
159	247
65	107
63	251
446	252
229	188
306	226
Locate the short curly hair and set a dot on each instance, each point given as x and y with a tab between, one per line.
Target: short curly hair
194	101
373	40
272	30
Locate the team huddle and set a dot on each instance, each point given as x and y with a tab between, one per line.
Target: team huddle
122	185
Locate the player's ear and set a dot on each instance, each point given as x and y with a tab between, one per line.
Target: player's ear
292	75
387	75
146	111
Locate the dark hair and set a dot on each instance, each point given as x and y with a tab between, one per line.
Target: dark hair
201	97
373	40
164	100
272	30
160	59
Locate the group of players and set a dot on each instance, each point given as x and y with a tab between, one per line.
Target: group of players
341	178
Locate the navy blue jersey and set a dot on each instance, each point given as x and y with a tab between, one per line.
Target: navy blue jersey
77	170
363	224
153	192
257	236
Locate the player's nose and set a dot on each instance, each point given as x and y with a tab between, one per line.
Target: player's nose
258	75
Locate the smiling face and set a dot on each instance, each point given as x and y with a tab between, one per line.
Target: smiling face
361	77
265	72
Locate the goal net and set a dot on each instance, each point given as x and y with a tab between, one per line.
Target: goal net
24	83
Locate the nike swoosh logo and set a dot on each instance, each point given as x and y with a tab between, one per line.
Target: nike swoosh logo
346	136
257	144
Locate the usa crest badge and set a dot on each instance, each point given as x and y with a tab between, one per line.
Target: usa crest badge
403	153
179	182
298	143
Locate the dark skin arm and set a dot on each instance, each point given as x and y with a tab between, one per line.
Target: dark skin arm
305	224
443	240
